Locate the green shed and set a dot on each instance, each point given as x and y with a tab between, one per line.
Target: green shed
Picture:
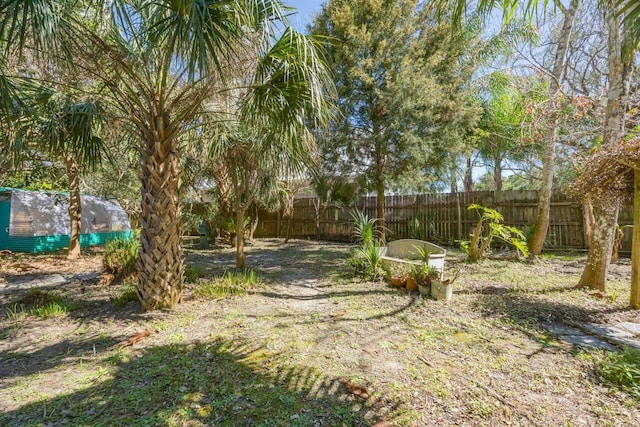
38	221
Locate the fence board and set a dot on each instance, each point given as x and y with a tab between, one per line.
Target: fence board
447	216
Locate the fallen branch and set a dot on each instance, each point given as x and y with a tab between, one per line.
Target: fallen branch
133	339
426	362
356	390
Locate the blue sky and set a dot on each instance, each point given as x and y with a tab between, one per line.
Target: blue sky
306	10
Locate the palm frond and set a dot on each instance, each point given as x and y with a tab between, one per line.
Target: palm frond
290	92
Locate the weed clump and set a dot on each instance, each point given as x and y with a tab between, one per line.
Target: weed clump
623	370
37	302
192	273
229	284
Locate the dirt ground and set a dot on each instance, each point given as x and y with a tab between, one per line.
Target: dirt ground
388	356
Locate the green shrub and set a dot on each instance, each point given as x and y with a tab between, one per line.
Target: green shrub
121	255
192	273
230	283
364	228
365	260
478	247
372	261
623	370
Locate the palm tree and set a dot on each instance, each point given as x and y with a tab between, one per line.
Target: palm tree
261	138
156	63
66	128
59	124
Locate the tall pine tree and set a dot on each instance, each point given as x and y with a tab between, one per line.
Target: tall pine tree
401	82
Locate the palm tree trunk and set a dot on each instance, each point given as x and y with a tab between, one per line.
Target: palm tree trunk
75	207
595	271
160	264
551	132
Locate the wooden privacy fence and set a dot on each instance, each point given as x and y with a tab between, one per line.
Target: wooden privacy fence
444	218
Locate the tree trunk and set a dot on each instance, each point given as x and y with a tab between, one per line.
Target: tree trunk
595	271
550	135
254	222
497	172
288	232
75	207
223	190
459	216
468	176
598	259
380	210
160	264
240	262
317	206
587	221
379	181
617	244
380	205
635	248
454	178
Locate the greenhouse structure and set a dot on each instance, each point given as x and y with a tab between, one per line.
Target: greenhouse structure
38	221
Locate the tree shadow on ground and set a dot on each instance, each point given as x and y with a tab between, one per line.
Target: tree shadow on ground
411	301
69	351
85	339
225	383
299	254
523	307
529	314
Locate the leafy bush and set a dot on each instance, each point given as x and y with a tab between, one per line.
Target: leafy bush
478	247
231	283
121	255
623	370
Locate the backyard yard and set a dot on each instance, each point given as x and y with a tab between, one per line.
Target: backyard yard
307	344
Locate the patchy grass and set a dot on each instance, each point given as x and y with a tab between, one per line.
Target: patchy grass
193	272
44	304
309	345
229	284
125	294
